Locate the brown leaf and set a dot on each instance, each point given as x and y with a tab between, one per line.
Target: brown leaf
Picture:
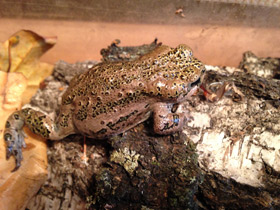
21	53
21	69
12	86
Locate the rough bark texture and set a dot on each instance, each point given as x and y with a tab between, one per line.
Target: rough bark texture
239	151
226	158
118	53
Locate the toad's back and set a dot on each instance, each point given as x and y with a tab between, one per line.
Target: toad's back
108	81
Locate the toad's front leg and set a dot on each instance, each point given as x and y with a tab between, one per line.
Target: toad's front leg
167	119
38	123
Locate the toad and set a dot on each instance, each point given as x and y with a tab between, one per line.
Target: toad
111	98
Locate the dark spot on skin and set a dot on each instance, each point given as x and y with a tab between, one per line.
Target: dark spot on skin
7	124
98	104
68	100
82	114
174	108
112	125
7	137
102	131
64	121
25	111
102	122
159	94
158	88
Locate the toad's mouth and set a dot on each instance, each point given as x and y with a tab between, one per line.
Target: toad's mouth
198	81
195	83
194	86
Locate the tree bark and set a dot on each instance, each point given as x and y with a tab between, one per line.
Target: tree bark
227	157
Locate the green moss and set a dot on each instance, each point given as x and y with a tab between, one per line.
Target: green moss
156	163
126	158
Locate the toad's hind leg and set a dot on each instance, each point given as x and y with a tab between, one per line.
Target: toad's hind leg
38	123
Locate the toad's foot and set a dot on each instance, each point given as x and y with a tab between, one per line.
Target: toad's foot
14	138
39	123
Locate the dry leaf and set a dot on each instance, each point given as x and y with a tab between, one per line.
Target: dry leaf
19	62
21	53
17	188
13	86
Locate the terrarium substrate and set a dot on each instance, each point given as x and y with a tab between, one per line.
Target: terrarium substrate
227	157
